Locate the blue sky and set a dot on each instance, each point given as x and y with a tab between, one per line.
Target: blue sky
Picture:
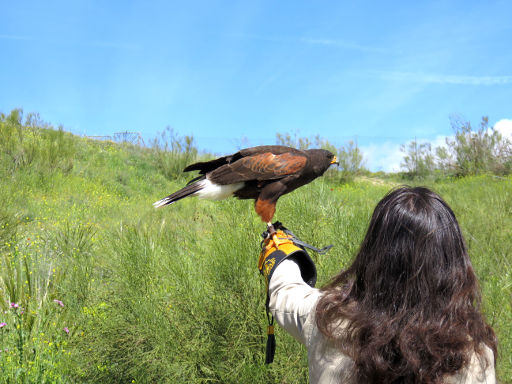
236	73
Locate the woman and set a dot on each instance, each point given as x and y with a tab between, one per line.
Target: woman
405	311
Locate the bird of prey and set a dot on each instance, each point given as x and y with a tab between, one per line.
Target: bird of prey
263	173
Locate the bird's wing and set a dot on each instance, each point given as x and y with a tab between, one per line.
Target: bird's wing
275	149
260	167
207	166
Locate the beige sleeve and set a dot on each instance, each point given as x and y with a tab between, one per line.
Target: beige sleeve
291	299
477	372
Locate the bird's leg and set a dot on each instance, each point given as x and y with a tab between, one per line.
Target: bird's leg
272	233
266	208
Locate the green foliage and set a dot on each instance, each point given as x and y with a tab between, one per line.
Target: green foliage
480	151
351	161
468	153
174	295
418	160
34	144
34	336
173	153
292	140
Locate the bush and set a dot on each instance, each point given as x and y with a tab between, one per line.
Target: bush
468	153
34	321
418	160
34	144
481	151
172	153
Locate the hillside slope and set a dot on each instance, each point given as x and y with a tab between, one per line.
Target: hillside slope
113	290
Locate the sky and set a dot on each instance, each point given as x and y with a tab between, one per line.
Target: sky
234	74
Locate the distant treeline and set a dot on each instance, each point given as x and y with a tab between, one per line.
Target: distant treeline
32	142
29	142
468	152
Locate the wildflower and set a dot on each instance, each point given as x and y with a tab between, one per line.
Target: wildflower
2	325
58	302
14	305
66	329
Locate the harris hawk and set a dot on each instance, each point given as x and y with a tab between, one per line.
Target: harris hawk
263	173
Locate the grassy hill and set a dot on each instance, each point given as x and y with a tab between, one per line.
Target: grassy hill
111	290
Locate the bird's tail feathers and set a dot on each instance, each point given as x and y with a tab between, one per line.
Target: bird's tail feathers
200	177
188	190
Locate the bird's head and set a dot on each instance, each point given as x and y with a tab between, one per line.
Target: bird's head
322	159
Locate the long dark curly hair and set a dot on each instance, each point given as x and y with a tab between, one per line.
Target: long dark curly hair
407	309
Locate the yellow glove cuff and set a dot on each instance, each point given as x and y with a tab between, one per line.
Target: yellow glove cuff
285	244
272	254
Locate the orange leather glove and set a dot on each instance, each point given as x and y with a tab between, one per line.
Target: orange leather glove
283	244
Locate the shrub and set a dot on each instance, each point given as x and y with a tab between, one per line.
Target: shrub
173	153
34	144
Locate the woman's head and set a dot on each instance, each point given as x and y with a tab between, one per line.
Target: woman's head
410	297
413	253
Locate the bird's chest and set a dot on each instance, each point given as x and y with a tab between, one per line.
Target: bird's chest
297	182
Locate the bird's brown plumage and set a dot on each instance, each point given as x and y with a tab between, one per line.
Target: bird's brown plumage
262	173
261	167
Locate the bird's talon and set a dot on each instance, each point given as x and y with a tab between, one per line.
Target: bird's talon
272	234
270	229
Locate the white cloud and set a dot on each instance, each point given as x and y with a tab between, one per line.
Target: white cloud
345	44
436	78
102	44
382	157
15	37
439	141
387	156
336	43
504	127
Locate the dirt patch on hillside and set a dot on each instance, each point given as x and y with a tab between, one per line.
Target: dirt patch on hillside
377	181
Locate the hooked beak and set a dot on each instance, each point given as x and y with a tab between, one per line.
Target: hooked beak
335	161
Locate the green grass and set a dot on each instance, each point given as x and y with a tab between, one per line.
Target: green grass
174	295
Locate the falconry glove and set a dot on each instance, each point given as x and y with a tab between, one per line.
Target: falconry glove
279	245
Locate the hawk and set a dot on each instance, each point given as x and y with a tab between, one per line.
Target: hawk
263	173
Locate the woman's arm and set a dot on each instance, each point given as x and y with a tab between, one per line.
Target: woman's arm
291	299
